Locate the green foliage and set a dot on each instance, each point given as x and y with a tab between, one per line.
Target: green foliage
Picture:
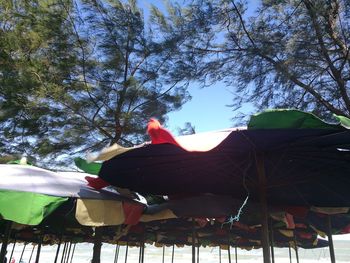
286	54
76	76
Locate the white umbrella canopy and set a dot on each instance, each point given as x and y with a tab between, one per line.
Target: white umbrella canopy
32	179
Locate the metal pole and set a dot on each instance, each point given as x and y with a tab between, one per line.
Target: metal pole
236	254
143	252
22	252
290	255
126	252
229	253
64	251
272	243
198	252
116	255
13	249
219	254
163	254
71	259
66	259
296	247
31	254
39	249
58	249
259	158
5	240
140	253
330	239
172	254
193	241
96	257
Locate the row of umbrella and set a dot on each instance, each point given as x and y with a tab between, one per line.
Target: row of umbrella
227	187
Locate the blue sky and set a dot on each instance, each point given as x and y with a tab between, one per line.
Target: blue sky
208	110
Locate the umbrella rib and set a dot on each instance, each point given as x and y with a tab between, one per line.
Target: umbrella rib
333	192
319	137
308	140
301	196
274	168
312	158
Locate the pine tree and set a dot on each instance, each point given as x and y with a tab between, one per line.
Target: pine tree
34	51
289	53
87	74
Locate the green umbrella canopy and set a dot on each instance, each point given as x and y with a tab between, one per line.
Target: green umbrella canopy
28	194
293	119
26	207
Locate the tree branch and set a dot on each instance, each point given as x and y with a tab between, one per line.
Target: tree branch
335	72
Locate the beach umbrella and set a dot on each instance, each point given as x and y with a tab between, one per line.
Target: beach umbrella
283	157
29	195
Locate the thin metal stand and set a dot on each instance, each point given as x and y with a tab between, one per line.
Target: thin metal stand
31	254
172	254
229	253
13	248
193	241
71	259
39	249
126	252
24	248
116	255
272	243
290	254
330	239
96	257
296	247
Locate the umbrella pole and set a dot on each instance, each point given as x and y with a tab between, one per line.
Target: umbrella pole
31	254
143	252
330	239
193	242
126	252
116	255
219	254
24	247
5	240
229	253
140	253
13	248
39	249
259	158
64	251
272	243
290	254
71	259
198	253
296	247
172	254
58	249
96	257
163	254
68	254
236	254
